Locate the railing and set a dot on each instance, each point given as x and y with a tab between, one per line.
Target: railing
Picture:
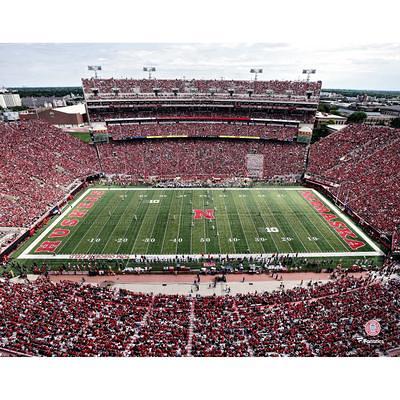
394	352
12	353
204	118
13	245
378	235
200	96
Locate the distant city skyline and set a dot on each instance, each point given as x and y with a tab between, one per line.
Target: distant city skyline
368	66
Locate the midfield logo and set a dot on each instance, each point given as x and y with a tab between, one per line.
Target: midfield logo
208	214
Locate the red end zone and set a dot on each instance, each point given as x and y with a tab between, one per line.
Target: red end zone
340	227
79	213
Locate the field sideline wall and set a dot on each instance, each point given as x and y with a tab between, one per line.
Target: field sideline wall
170	257
374	233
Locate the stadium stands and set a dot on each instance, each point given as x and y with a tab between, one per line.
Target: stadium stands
37	165
191	158
364	161
121	87
211	129
71	319
101	115
113	99
396	240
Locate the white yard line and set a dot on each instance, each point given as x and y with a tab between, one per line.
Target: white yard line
115	226
323	236
204	226
272	236
219	188
229	224
191	226
216	229
179	225
241	225
277	225
302	227
254	224
168	257
166	225
171	257
154	224
97	233
128	226
141	226
349	222
68	208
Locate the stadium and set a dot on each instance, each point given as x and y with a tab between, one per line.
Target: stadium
169	233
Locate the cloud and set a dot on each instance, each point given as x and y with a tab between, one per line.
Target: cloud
365	65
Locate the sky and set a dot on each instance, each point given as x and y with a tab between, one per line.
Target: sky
373	66
351	44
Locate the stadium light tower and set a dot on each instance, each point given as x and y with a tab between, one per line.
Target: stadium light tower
94	68
149	70
256	71
309	72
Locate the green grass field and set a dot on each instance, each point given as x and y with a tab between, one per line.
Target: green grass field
122	223
84	136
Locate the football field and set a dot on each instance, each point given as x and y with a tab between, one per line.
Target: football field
126	223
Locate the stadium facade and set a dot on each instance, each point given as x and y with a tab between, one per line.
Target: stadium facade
149	101
195	132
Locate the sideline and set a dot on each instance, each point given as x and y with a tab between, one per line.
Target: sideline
197	257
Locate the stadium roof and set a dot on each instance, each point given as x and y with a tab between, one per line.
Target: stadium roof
321	115
75	109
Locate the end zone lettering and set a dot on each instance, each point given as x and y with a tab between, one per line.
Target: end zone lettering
89	201
59	232
78	213
340	227
48	247
97	193
86	205
69	222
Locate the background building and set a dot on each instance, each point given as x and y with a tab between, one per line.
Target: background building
393	110
9	99
326	118
43	101
9	116
63	116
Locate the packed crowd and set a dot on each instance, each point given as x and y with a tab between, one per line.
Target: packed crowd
202	130
391	266
331	326
76	319
168	86
364	161
267	112
396	240
126	180
7	237
211	183
37	165
200	159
